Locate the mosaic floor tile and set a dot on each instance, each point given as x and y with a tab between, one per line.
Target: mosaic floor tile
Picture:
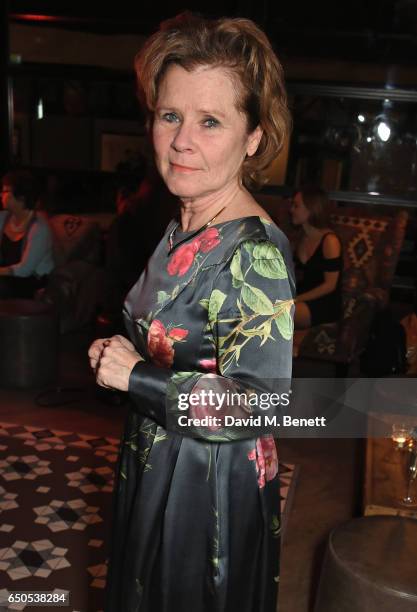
28	467
24	559
55	506
59	515
7	500
92	480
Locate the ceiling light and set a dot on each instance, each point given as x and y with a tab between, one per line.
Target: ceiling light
383	130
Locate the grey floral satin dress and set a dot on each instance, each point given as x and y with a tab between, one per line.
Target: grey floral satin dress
196	525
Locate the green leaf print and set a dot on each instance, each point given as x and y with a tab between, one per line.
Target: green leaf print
237	284
178	379
265	221
221	340
236	266
204	303
266	328
275	526
139	587
144	323
159	437
256	300
268	261
270	268
215	558
216	302
181	377
162	296
249	245
172	391
284	320
266	250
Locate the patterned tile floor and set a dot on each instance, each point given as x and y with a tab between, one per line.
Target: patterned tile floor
55	506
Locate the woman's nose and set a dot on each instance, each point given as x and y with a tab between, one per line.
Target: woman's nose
183	139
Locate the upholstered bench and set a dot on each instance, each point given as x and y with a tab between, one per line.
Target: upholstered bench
370	566
28	343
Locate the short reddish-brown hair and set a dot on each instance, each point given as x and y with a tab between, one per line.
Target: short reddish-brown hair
239	46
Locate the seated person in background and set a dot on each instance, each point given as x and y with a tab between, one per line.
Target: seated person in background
26	257
144	208
318	260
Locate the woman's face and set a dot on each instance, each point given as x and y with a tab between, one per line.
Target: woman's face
299	212
199	136
9	201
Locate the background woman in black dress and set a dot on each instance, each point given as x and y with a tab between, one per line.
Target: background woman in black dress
318	260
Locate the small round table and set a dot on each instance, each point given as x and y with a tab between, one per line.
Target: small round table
370	566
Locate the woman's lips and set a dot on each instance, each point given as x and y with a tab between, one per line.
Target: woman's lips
179	168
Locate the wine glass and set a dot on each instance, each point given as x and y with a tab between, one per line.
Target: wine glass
409	499
400	434
411	447
405	440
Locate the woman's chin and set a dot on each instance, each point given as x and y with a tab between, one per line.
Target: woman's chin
180	190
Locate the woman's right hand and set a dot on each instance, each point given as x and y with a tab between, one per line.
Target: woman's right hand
95	350
97	347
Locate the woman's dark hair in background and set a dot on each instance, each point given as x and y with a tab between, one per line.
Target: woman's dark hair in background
24	186
317	202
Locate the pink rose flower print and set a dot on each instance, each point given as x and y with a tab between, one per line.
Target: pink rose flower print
209	364
266	458
204	408
160	343
209	239
182	259
178	333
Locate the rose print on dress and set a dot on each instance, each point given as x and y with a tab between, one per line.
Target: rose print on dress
160	343
208	240
266	458
183	258
209	364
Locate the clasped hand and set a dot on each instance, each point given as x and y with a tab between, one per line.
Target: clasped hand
113	360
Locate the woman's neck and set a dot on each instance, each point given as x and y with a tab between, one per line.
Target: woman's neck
196	212
310	231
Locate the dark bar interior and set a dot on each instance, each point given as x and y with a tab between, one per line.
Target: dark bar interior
119	300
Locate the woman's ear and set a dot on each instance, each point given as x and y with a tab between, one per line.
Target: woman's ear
254	139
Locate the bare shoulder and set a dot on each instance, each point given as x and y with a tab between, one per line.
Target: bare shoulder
331	245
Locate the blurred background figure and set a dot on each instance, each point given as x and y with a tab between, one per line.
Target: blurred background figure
26	256
318	260
144	208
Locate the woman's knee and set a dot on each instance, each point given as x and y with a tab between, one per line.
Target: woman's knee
302	316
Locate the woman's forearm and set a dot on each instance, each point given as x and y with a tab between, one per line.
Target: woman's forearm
317	292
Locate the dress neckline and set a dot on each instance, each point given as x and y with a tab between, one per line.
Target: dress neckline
304	263
181	236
